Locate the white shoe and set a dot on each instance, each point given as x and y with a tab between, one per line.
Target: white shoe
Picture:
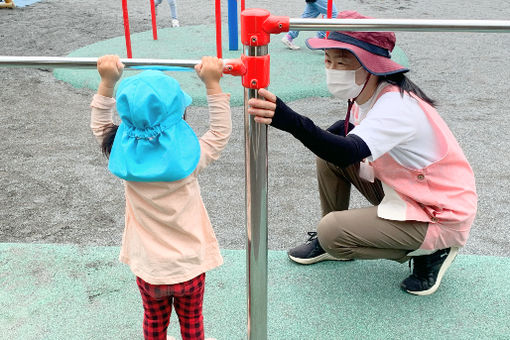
287	42
175	23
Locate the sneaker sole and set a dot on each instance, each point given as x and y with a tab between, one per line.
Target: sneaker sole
320	258
449	259
290	46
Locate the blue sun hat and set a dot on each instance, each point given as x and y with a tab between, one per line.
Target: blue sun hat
153	143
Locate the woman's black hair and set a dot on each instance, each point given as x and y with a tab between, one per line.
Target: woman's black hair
406	85
108	138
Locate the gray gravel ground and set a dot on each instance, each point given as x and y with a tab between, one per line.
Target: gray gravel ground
54	185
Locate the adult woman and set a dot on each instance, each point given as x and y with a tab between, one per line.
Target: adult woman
395	149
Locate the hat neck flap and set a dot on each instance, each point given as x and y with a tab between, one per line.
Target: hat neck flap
151	131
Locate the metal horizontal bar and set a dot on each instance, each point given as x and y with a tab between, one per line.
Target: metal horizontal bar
412	25
86	62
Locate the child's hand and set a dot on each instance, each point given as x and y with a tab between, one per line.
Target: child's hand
210	71
110	69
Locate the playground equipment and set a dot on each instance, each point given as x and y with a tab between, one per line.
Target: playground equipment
63	62
7	4
256	27
232	25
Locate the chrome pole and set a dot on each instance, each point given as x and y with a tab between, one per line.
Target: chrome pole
422	25
255	137
88	62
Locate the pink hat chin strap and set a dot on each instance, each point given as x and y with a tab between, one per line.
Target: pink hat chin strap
350	103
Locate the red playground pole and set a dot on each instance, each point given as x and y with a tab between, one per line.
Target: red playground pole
126	28
330	13
154	26
242	6
217	10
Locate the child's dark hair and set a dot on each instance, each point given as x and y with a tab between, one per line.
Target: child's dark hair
406	85
108	138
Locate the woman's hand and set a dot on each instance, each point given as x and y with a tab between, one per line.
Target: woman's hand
263	110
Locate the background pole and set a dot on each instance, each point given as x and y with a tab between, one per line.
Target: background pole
127	34
330	13
217	11
232	25
153	17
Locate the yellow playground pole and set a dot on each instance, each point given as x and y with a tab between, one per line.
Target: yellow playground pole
7	4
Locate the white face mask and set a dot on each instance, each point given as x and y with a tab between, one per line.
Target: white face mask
342	83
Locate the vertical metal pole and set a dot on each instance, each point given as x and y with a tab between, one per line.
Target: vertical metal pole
255	136
127	33
330	13
217	12
153	21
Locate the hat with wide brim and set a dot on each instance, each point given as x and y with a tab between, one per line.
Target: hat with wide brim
372	49
153	143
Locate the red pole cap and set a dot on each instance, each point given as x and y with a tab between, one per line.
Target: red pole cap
252	29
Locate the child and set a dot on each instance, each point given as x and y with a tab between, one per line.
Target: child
168	240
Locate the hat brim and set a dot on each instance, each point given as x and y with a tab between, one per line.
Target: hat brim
373	63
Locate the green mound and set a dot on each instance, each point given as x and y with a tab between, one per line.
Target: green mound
294	74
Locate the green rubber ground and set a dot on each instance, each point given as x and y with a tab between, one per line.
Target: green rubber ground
75	292
294	74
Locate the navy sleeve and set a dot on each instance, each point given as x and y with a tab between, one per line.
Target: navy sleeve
331	145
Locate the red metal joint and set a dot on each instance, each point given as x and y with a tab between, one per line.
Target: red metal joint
257	25
257	71
234	67
252	31
276	24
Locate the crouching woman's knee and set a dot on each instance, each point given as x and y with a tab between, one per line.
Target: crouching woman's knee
333	236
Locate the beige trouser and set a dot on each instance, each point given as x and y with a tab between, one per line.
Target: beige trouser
360	233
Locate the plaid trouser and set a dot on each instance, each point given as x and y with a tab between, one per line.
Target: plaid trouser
187	298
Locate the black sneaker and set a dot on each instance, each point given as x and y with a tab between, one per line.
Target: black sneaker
311	252
428	270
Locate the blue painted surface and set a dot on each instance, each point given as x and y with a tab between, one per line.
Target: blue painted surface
23	3
232	25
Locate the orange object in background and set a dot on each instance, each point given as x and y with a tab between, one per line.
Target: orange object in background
7	4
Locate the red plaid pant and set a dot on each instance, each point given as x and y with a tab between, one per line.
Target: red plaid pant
186	297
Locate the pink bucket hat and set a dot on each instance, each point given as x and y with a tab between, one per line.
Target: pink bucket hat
372	49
